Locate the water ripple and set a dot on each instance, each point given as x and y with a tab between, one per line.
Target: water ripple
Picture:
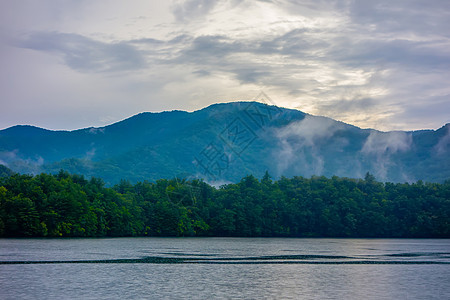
273	259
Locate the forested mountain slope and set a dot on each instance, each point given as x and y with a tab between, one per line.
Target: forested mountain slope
225	142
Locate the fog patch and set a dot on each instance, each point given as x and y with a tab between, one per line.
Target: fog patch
383	145
94	130
90	154
8	156
443	144
218	183
12	160
300	142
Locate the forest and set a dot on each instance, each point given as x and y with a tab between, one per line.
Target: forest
70	205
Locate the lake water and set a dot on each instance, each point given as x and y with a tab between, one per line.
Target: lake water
224	268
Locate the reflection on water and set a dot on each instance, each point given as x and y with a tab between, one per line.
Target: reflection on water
205	268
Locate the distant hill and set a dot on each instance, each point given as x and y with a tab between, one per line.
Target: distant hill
225	142
5	172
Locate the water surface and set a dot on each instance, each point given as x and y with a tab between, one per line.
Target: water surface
224	268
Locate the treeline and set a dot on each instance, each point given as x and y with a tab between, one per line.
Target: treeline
73	206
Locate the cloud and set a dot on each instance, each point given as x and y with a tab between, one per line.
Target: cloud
209	50
95	130
300	144
442	147
186	10
379	64
309	131
251	75
348	105
85	54
413	55
426	108
217	184
90	154
325	71
12	160
6	157
402	16
383	145
201	73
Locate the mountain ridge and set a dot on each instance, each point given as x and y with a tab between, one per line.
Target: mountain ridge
245	137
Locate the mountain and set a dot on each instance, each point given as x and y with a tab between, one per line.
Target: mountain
5	172
224	142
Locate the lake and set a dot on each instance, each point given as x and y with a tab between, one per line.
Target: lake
224	268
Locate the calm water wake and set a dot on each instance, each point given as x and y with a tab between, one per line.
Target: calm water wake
205	268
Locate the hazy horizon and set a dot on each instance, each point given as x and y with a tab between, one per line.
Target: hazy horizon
190	111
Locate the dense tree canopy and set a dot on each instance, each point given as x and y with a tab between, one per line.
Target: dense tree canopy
73	206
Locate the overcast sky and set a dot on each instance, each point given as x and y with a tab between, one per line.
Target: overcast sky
68	64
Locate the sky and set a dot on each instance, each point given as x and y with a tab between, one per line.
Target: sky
69	64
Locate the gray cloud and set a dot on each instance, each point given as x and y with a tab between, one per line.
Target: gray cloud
201	73
310	51
394	53
210	50
348	105
413	16
297	43
190	9
426	110
313	8
251	74
149	41
369	63
84	54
